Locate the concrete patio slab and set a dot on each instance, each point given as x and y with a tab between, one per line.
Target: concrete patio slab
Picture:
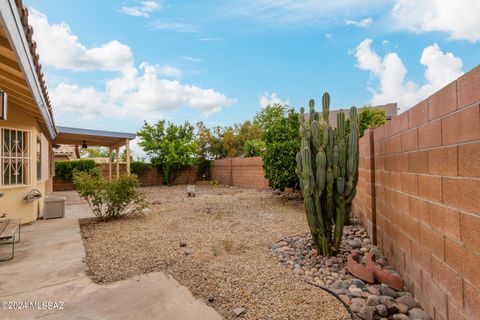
49	267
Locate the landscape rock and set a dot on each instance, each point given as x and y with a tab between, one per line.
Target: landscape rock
409	301
238	311
382	310
387	291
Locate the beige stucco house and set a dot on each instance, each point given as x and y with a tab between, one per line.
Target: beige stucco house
28	132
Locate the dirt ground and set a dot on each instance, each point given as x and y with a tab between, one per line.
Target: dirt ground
228	233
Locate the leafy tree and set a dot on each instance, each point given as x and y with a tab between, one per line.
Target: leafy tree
253	148
371	118
280	133
94	152
169	146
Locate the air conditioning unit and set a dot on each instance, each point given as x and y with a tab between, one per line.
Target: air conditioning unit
54	207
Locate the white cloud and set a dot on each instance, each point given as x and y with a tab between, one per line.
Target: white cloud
209	39
269	99
328	36
440	69
459	18
364	23
385	42
59	48
140	92
143	10
177	26
191	59
281	12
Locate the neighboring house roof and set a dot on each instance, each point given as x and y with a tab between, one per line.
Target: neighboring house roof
391	111
15	21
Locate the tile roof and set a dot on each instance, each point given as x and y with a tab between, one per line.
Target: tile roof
23	13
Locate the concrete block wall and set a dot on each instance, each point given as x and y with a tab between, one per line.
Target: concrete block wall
151	177
242	172
427	197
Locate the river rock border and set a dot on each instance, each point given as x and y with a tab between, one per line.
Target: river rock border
367	301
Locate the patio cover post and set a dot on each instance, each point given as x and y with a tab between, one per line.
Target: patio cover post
127	153
110	164
117	154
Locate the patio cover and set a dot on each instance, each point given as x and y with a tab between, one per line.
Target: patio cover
98	138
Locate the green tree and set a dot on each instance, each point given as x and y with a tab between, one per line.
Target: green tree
371	118
94	152
280	133
253	148
169	146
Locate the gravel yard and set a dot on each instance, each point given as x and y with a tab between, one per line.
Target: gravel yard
217	244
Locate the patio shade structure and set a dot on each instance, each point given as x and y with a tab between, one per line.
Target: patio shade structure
98	138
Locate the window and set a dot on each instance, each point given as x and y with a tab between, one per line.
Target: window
39	159
14	157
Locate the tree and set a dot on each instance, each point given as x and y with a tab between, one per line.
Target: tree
94	152
371	118
280	133
169	146
253	148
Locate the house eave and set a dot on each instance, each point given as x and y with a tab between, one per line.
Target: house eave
11	21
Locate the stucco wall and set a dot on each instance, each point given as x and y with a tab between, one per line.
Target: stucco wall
12	203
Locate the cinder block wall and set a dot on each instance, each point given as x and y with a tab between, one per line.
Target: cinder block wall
427	197
242	172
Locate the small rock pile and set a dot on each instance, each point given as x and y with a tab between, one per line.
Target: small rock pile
366	301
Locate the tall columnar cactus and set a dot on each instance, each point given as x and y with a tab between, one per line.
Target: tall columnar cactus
327	166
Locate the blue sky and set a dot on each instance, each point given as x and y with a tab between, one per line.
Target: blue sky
112	64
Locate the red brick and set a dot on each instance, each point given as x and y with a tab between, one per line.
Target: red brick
472	301
436	295
399	124
384	147
432	240
443	101
388	129
443	161
445	219
468	87
430	135
395	180
454	254
430	187
401	162
419	209
455	312
462	193
395	144
461	126
409	140
418	114
470	228
469	160
471	263
379	133
450	280
418	162
409	183
411	227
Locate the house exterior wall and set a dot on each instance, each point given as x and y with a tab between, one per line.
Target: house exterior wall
12	204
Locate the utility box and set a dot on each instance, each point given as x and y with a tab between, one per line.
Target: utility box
54	207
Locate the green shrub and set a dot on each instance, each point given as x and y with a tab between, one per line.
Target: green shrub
64	169
253	148
139	168
371	118
110	199
282	142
